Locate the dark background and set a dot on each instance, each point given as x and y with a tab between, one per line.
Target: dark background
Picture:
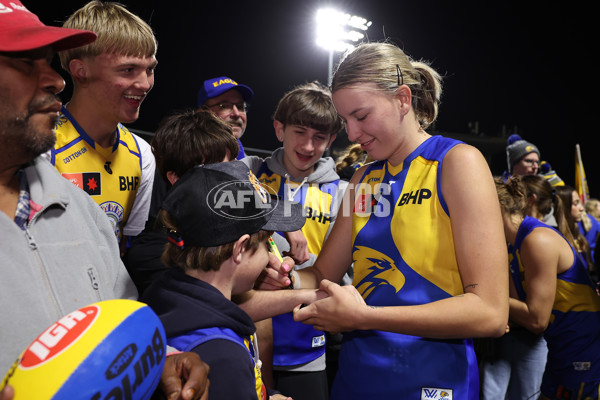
510	67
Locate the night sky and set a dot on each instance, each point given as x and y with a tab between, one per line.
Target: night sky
511	66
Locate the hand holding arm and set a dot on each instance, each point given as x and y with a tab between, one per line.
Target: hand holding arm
337	312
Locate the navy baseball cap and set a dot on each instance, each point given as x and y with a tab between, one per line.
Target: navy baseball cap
217	86
215	204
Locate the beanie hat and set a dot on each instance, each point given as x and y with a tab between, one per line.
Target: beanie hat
517	148
550	175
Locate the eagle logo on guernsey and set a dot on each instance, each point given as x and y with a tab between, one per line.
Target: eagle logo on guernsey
374	269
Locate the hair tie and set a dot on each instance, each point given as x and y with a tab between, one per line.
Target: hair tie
174	237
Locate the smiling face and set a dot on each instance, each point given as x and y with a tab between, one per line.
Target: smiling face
29	106
302	147
119	84
372	120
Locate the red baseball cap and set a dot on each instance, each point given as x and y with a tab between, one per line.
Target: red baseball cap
22	30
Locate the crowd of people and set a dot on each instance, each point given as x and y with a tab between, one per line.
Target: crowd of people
385	272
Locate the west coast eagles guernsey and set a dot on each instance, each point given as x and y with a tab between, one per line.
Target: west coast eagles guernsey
403	253
295	343
118	178
191	340
573	334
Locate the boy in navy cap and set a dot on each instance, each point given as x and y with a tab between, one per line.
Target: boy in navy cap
229	100
218	219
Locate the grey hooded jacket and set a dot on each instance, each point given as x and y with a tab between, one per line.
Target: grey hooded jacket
67	258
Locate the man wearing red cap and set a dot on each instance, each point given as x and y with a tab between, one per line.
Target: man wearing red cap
57	247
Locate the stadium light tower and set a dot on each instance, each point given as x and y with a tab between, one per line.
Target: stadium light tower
338	31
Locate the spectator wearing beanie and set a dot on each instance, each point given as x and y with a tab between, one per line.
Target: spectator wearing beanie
523	157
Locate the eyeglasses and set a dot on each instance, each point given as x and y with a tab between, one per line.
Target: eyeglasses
530	162
400	76
227	106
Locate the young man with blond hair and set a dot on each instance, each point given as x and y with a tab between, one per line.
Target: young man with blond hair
111	78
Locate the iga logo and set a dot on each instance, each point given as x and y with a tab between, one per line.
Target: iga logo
59	337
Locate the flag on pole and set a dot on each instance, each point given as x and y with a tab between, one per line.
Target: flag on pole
580	181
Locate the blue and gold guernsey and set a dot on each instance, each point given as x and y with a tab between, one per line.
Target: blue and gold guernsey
111	176
189	341
573	334
295	343
403	253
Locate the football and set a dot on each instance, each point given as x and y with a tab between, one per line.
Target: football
112	349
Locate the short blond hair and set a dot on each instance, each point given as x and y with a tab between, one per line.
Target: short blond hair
119	32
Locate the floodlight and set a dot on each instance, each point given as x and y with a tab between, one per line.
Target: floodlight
338	31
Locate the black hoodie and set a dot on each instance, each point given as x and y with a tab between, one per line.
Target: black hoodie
185	304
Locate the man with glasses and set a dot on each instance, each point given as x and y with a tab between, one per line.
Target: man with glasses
523	157
515	367
229	101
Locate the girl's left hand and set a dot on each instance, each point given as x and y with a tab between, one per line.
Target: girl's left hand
339	312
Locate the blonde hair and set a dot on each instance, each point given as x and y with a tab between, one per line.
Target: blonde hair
119	32
387	67
591	207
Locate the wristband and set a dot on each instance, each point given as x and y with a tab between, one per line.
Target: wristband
295	280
